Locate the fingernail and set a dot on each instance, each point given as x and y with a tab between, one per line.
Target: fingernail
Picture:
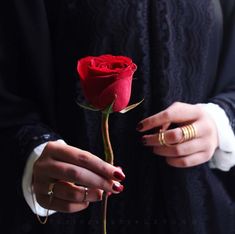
117	187
118	175
139	126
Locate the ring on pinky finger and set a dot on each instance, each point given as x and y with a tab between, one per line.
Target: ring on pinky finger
77	193
62	205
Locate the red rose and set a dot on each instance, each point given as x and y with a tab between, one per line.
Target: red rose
105	78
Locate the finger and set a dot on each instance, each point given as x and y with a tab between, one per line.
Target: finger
69	172
183	149
189	161
60	205
176	113
173	136
87	160
70	192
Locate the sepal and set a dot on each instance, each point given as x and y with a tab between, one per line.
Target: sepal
87	107
128	108
109	109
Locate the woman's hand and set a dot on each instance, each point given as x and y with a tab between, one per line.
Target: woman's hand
196	151
72	170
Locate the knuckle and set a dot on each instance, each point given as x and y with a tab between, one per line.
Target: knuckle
178	150
167	115
184	163
176	104
51	145
104	169
212	130
175	136
72	174
200	110
209	130
84	158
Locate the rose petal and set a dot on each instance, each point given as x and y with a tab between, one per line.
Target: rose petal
105	76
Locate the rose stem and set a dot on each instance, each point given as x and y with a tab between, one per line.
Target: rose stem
108	158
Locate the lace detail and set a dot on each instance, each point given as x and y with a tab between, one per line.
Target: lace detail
181	28
167	39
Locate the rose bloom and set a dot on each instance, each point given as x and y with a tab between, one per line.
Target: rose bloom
106	78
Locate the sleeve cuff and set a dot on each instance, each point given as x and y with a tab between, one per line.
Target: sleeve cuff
27	181
224	156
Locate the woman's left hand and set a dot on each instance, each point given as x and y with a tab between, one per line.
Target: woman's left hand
180	153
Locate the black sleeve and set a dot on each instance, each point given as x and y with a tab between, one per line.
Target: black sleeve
225	88
26	87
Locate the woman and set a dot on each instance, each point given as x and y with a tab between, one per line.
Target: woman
184	52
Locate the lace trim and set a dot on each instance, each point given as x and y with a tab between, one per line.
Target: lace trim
184	33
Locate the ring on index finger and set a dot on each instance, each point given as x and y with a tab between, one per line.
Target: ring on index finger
188	131
162	140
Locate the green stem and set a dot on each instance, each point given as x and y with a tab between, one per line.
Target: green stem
106	140
108	158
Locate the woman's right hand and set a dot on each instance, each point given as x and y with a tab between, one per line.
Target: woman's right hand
72	170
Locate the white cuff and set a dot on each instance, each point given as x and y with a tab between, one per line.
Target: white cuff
224	156
27	181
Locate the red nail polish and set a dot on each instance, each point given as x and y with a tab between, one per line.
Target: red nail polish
118	175
117	187
139	126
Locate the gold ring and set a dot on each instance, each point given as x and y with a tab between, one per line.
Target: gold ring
189	133
162	140
50	189
85	194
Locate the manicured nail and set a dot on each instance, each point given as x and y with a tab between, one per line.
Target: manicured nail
117	187
139	126
118	175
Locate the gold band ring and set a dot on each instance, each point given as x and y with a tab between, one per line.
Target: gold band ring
50	189
162	140
85	194
189	133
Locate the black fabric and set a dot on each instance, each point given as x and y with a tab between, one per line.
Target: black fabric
184	51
